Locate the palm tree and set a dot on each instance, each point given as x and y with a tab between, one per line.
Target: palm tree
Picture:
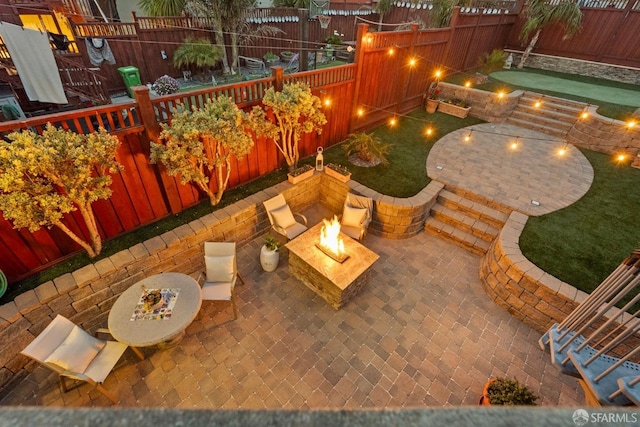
383	6
198	53
539	14
162	7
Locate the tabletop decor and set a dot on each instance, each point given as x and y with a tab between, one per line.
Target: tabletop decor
155	304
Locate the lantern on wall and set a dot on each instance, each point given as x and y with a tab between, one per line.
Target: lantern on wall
319	160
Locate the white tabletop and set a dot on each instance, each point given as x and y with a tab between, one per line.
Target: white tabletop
142	333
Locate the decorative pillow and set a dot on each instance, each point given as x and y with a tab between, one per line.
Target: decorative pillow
353	217
77	351
219	268
282	217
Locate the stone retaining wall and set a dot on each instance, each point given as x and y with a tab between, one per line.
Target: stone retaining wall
600	70
597	133
86	295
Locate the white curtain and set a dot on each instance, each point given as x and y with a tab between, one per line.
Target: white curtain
33	58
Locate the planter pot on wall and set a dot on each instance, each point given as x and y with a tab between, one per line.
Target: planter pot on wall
453	110
301	177
337	175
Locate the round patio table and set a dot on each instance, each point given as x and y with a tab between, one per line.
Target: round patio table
166	331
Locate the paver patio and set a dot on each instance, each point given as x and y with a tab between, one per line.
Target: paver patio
421	333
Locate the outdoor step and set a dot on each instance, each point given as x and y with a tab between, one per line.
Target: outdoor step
537	127
560	115
489	211
461	220
546	99
455	235
551	121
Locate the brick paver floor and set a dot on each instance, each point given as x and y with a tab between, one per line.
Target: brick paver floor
421	333
488	166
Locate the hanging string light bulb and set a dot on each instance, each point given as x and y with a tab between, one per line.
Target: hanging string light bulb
467	137
360	112
393	121
514	144
428	131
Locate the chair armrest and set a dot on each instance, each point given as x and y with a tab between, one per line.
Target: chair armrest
201	278
77	376
102	331
304	218
279	229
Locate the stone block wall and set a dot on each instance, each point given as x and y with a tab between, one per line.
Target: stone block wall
484	105
600	70
605	135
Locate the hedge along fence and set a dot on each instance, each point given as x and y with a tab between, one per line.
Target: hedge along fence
143	193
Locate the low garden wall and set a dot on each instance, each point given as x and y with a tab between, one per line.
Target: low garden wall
484	105
580	67
86	295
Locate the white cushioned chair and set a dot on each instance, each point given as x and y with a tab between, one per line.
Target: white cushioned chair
72	353
221	273
356	216
282	219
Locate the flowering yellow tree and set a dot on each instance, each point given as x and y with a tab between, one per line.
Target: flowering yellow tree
296	111
43	177
199	141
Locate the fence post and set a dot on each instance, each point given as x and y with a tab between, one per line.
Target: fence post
278	74
146	112
303	44
358	60
152	128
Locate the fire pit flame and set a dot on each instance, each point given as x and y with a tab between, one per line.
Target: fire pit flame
330	241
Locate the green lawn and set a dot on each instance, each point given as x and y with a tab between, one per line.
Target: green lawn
583	243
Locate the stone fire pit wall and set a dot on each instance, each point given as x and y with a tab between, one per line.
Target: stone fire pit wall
86	295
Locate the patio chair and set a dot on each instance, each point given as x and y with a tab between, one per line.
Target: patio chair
356	216
293	66
282	219
73	353
221	273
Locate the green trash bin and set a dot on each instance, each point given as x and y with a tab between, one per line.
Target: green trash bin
131	77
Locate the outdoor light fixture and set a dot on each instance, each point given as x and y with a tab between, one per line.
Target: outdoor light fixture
467	137
584	115
393	121
438	74
319	159
163	54
535	203
327	102
412	62
368	39
514	144
562	151
501	94
467	83
391	51
631	124
538	104
429	131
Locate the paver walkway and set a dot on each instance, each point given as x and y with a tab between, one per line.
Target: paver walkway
421	333
488	166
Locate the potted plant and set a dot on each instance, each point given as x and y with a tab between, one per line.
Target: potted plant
286	55
366	148
333	41
506	391
269	255
300	174
339	172
271	58
432	98
165	85
454	107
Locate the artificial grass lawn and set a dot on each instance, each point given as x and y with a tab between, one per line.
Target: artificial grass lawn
406	173
584	242
614	111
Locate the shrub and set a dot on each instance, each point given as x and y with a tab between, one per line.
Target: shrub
165	85
506	391
490	62
367	146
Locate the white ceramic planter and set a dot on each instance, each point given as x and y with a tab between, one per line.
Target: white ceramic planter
269	259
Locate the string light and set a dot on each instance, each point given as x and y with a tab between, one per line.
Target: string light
584	115
368	39
467	83
501	94
360	112
428	131
631	124
514	143
538	103
327	102
412	62
563	150
438	74
393	121
391	51
467	137
621	157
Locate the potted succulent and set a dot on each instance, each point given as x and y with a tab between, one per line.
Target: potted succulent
506	391
454	107
269	256
271	58
286	55
300	174
338	172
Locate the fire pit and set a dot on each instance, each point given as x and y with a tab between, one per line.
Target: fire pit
314	263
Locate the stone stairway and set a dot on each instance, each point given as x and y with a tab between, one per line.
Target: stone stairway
554	116
466	219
